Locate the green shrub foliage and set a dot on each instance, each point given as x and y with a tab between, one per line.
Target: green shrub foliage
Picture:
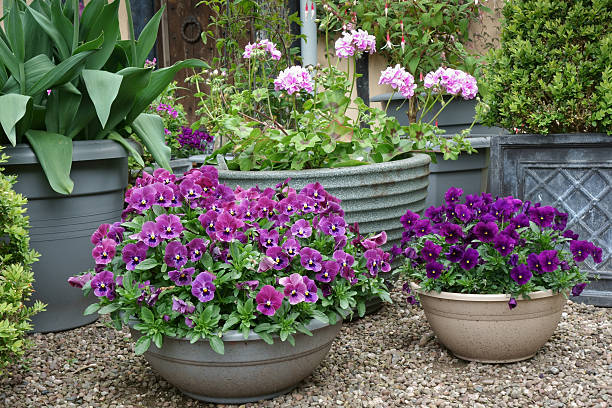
16	276
553	72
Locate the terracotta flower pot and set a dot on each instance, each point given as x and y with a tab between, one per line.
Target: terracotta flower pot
483	328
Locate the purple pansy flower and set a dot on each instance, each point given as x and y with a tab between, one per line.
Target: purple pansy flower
434	270
203	287
269	300
142	198
451	232
520	274
104	252
314	191
181	277
292	247
163	195
534	264
189	322
422	227
190	190
453	195
408	219
209	222
570	234
435	214
133	254
80	281
280	258
114	232
301	229
470	259
226	227
179	305
310	295
311	259
455	254
103	285
578	288
176	255
486	231
333	225
430	251
288	205
549	260
463	213
580	250
196	248
149	234
250	285
268	239
169	226
543	216
503	244
520	221
512	303
295	288
376	261
328	272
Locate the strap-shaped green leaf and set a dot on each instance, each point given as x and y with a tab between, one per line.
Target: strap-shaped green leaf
91	45
9	59
61	22
37	42
54	152
147	38
14	32
66	71
106	22
123	142
34	68
159	81
90	14
55	35
150	129
103	88
62	106
14	107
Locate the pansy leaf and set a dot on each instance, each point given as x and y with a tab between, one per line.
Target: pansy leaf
216	344
109	308
361	308
320	316
157	339
146	315
147	264
302	329
266	337
91	309
142	345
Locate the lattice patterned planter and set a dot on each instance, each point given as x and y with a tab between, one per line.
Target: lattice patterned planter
572	172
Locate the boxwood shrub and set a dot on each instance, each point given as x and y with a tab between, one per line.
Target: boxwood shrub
553	72
16	276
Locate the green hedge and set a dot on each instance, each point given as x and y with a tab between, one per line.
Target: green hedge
16	276
553	72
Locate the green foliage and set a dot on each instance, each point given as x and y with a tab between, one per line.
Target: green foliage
68	78
553	73
434	31
15	274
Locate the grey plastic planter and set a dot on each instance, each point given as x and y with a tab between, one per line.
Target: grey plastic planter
250	370
61	226
374	195
178	166
572	172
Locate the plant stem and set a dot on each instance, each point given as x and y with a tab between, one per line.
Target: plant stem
353	80
128	10
266	83
389	101
441	109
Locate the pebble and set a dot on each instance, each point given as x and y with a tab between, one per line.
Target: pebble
388	359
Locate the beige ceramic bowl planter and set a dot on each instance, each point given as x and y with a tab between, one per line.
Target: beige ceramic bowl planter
482	327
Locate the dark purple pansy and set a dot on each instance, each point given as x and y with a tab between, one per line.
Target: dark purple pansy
181	277
269	300
195	249
571	235
503	244
311	259
226	227
560	221
149	234
597	254
209	222
422	227
301	228
543	216
292	247
250	285
513	259
333	225
534	264
169	226
377	261
580	250
133	254
485	231
179	305
295	288
549	260
79	281
189	322
326	289
512	303
408	219
435	214
430	251
406	288
203	287
455	254
103	285
473	201
453	195
328	272
310	295
520	274
470	259
411	253
463	213
434	270
578	288
520	221
104	252
176	255
411	300
451	232
280	258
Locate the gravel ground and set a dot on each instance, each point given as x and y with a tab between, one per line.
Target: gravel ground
389	359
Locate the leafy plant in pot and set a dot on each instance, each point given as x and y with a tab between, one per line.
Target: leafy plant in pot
492	274
72	92
215	277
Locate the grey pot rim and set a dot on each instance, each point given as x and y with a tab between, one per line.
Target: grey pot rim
477	297
82	150
235	336
416	160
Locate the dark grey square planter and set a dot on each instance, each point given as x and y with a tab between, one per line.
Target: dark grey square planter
572	172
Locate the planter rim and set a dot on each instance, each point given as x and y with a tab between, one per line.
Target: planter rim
236	336
82	150
470	297
534	138
417	160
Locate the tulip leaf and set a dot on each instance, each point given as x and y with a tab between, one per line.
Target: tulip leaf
14	31
54	152
103	88
14	107
107	23
91	45
60	74
9	59
126	144
147	38
52	31
62	106
150	129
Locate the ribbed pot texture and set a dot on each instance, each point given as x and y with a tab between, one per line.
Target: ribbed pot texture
374	195
250	370
61	225
483	328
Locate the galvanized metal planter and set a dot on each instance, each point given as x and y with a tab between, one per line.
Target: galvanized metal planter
61	226
572	172
374	195
250	370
